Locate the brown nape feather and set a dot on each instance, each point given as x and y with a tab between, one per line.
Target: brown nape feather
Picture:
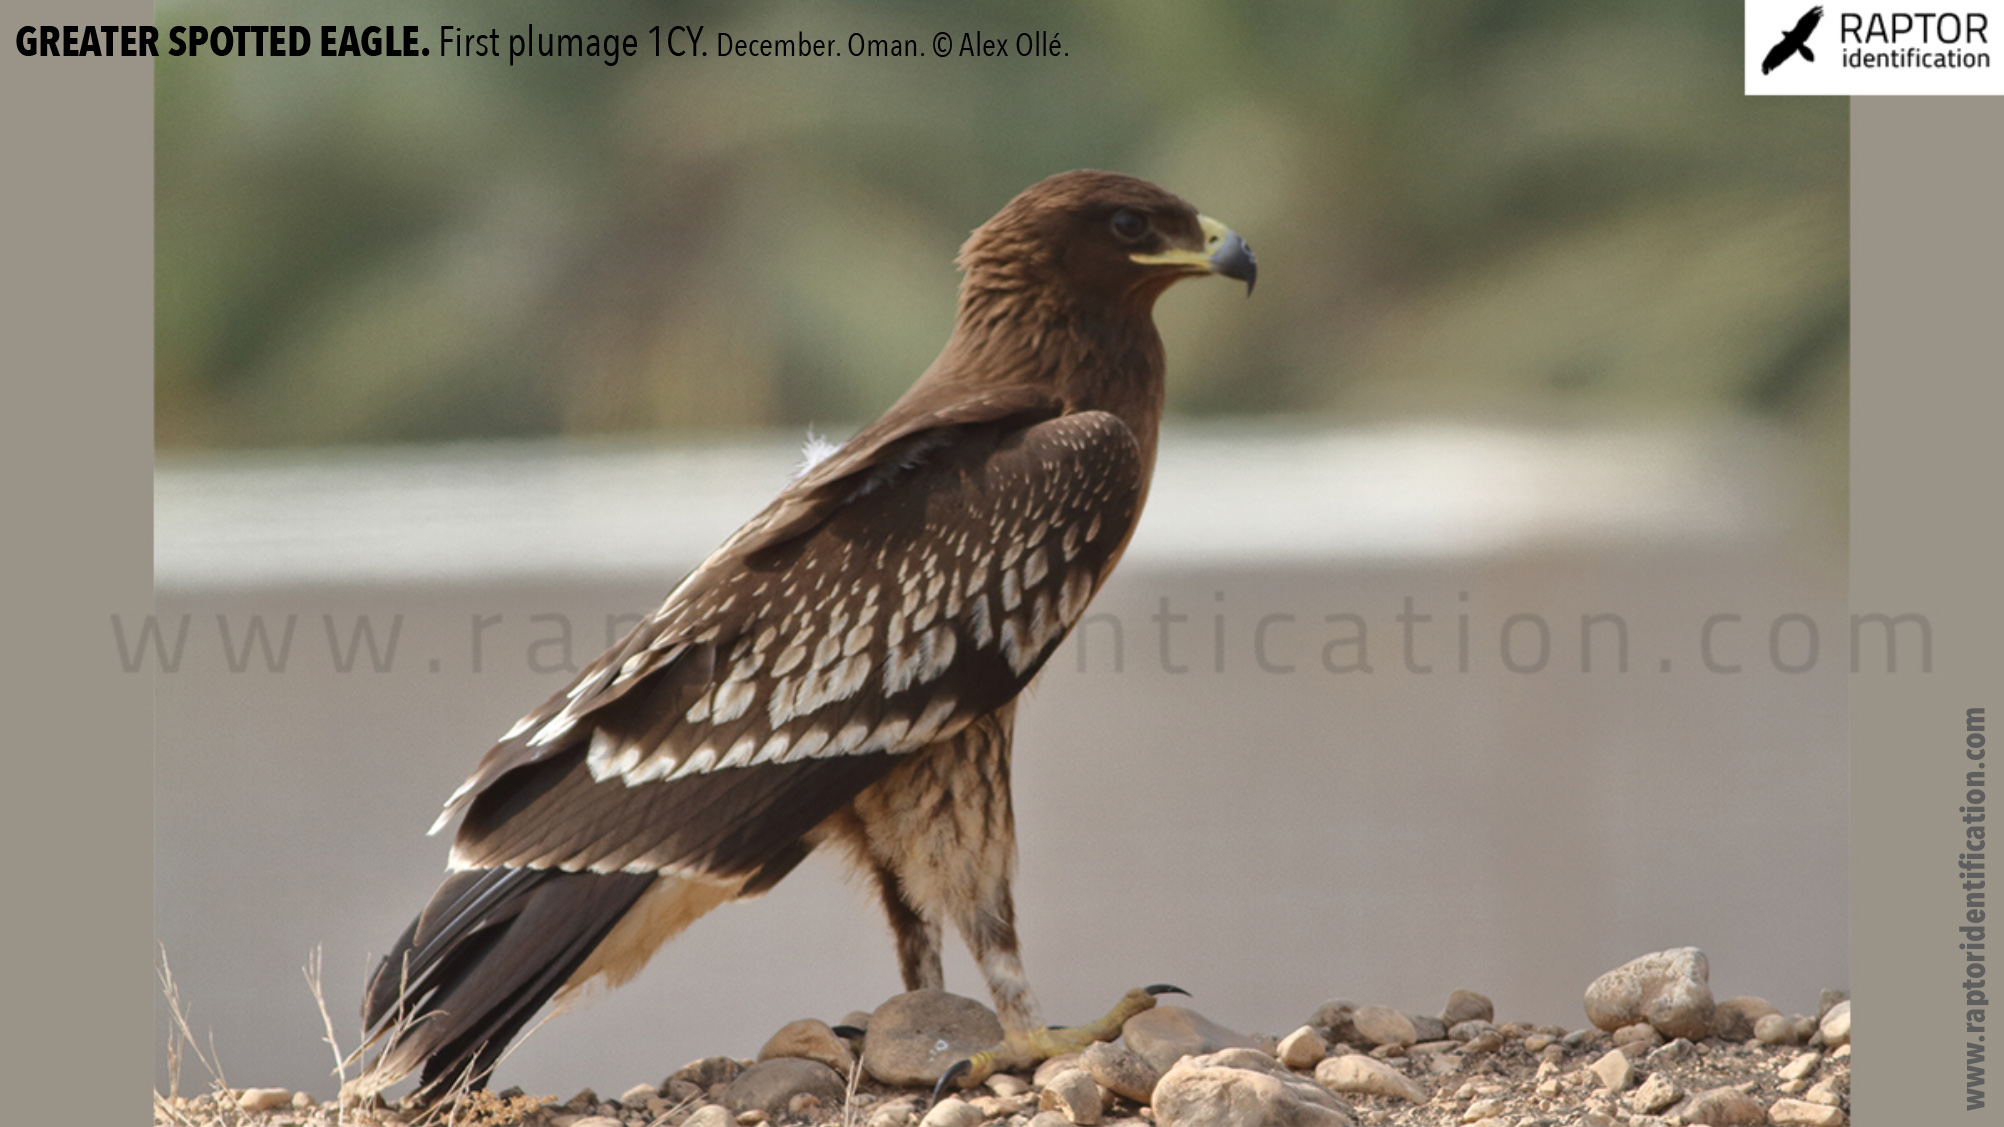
844	668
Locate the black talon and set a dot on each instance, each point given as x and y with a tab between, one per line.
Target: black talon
953	1072
846	1032
1164	988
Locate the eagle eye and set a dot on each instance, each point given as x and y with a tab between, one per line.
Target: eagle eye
1129	226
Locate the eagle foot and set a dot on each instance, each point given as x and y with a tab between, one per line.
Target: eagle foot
1032	1047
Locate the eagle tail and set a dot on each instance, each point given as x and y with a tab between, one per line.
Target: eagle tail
489	949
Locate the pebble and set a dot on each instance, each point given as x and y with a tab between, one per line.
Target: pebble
991	1107
1668	989
1167	1034
1638	1039
1801	1113
914	1037
896	1113
1831	1090
1725	1107
1673	1053
638	1095
1734	1018
1777	1029
1333	1021
1836	1025
1613	1071
1536	1042
1007	1086
771	1085
1074	1093
1054	1065
1365	1076
1801	1066
1467	1005
1428	1028
1304	1048
1244	1087
951	1112
1469	1030
809	1039
1829	999
1481	1110
705	1074
709	1115
1489	1042
1654	1094
753	1118
264	1099
1122	1071
1383	1025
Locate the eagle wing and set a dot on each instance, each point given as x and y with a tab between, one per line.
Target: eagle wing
906	597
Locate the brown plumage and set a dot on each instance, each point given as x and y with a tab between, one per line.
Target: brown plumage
843	669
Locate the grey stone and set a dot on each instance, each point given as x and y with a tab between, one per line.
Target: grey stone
1244	1088
1724	1107
1828	999
1734	1018
809	1039
1777	1029
1122	1071
706	1073
770	1085
1333	1020
1469	1030
1365	1076
1427	1028
1668	989
914	1037
1167	1034
1467	1005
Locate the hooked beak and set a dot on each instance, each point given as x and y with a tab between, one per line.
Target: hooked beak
1223	254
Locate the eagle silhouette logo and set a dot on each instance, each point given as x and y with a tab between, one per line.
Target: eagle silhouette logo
1794	40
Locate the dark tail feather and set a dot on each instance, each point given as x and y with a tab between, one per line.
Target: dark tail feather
489	949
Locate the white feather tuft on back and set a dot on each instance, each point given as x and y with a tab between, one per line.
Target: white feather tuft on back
813	452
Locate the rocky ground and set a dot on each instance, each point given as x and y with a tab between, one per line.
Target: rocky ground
1660	1052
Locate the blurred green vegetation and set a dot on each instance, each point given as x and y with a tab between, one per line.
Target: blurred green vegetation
1537	211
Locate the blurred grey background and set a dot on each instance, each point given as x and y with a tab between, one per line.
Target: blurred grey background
1552	322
